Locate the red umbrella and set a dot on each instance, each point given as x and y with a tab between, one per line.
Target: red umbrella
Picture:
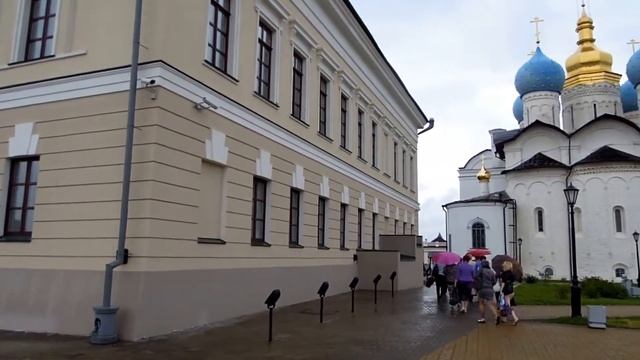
446	258
479	252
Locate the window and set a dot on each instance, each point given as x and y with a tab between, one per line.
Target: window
344	108
395	161
211	203
578	219
343	226
540	220
621	273
412	229
21	195
374	130
324	95
40	30
548	272
360	137
259	211
404	167
373	230
411	183
265	49
618	217
294	217
360	218
298	78
218	44
478	236
395	227
404	228
322	216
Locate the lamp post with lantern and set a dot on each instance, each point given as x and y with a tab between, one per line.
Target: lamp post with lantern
635	237
571	194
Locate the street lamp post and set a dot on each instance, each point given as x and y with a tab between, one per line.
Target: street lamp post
635	237
520	250
571	194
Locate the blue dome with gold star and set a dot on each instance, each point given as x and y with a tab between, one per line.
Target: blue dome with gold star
540	73
633	68
518	109
629	97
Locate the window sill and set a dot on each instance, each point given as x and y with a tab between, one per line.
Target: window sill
296	246
214	241
375	168
344	249
267	101
229	77
362	159
16	64
345	150
387	175
396	181
260	244
325	137
322	247
15	238
299	121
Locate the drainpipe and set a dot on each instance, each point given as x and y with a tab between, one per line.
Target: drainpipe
446	227
504	225
105	327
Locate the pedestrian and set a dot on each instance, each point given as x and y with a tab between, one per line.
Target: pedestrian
441	282
508	291
486	279
464	282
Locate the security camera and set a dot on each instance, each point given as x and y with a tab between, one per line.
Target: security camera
148	81
205	104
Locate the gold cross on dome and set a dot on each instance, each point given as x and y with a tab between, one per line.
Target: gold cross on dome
536	20
633	44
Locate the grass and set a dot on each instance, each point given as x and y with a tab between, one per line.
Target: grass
632	322
559	293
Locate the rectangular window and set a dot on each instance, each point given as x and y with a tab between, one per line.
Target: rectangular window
540	220
404	228
322	212
360	218
21	196
374	220
395	161
404	167
211	202
344	108
259	211
343	226
324	95
218	46
265	50
374	150
298	77
360	130
411	182
294	217
412	229
40	29
395	227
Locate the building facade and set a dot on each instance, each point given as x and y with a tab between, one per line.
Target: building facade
577	128
272	140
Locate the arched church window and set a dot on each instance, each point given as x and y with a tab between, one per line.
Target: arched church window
578	219
539	219
618	218
548	272
478	236
621	272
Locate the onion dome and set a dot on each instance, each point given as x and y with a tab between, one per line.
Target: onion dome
589	65
483	174
629	97
633	69
518	109
540	73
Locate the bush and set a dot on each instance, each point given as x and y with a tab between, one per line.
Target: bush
562	291
530	279
595	287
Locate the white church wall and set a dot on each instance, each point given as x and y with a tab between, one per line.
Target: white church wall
463	216
470	187
605	132
536	140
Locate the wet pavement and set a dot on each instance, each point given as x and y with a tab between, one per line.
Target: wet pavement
406	327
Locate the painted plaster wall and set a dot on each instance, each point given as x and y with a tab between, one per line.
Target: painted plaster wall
462	217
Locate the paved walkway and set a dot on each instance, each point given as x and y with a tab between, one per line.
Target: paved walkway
531	340
537	312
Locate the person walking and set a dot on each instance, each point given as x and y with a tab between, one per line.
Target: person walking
441	281
486	279
464	282
507	279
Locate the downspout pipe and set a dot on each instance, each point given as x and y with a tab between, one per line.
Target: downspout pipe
446	226
504	225
105	329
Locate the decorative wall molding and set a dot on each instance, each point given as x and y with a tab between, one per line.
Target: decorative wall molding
345	194
387	211
375	206
397	217
297	178
216	148
406	217
264	167
325	191
362	204
24	141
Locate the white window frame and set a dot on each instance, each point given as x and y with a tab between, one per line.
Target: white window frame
21	31
347	135
233	43
272	13
302	43
329	130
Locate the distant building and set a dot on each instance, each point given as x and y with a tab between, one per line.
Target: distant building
582	128
272	140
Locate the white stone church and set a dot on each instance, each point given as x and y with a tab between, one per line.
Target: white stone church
581	128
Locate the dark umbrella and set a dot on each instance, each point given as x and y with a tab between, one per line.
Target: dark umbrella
498	260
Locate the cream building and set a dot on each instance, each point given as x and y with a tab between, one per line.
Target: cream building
272	140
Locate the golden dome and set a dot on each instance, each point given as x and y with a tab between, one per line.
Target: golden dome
589	65
483	174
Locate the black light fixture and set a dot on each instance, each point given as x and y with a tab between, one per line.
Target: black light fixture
322	291
375	288
392	277
635	237
352	286
571	194
271	301
519	257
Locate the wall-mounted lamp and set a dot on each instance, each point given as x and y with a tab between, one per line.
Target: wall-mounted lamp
205	105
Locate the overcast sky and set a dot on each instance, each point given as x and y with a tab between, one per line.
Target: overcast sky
459	58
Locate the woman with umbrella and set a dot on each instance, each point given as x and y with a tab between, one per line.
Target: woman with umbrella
508	278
